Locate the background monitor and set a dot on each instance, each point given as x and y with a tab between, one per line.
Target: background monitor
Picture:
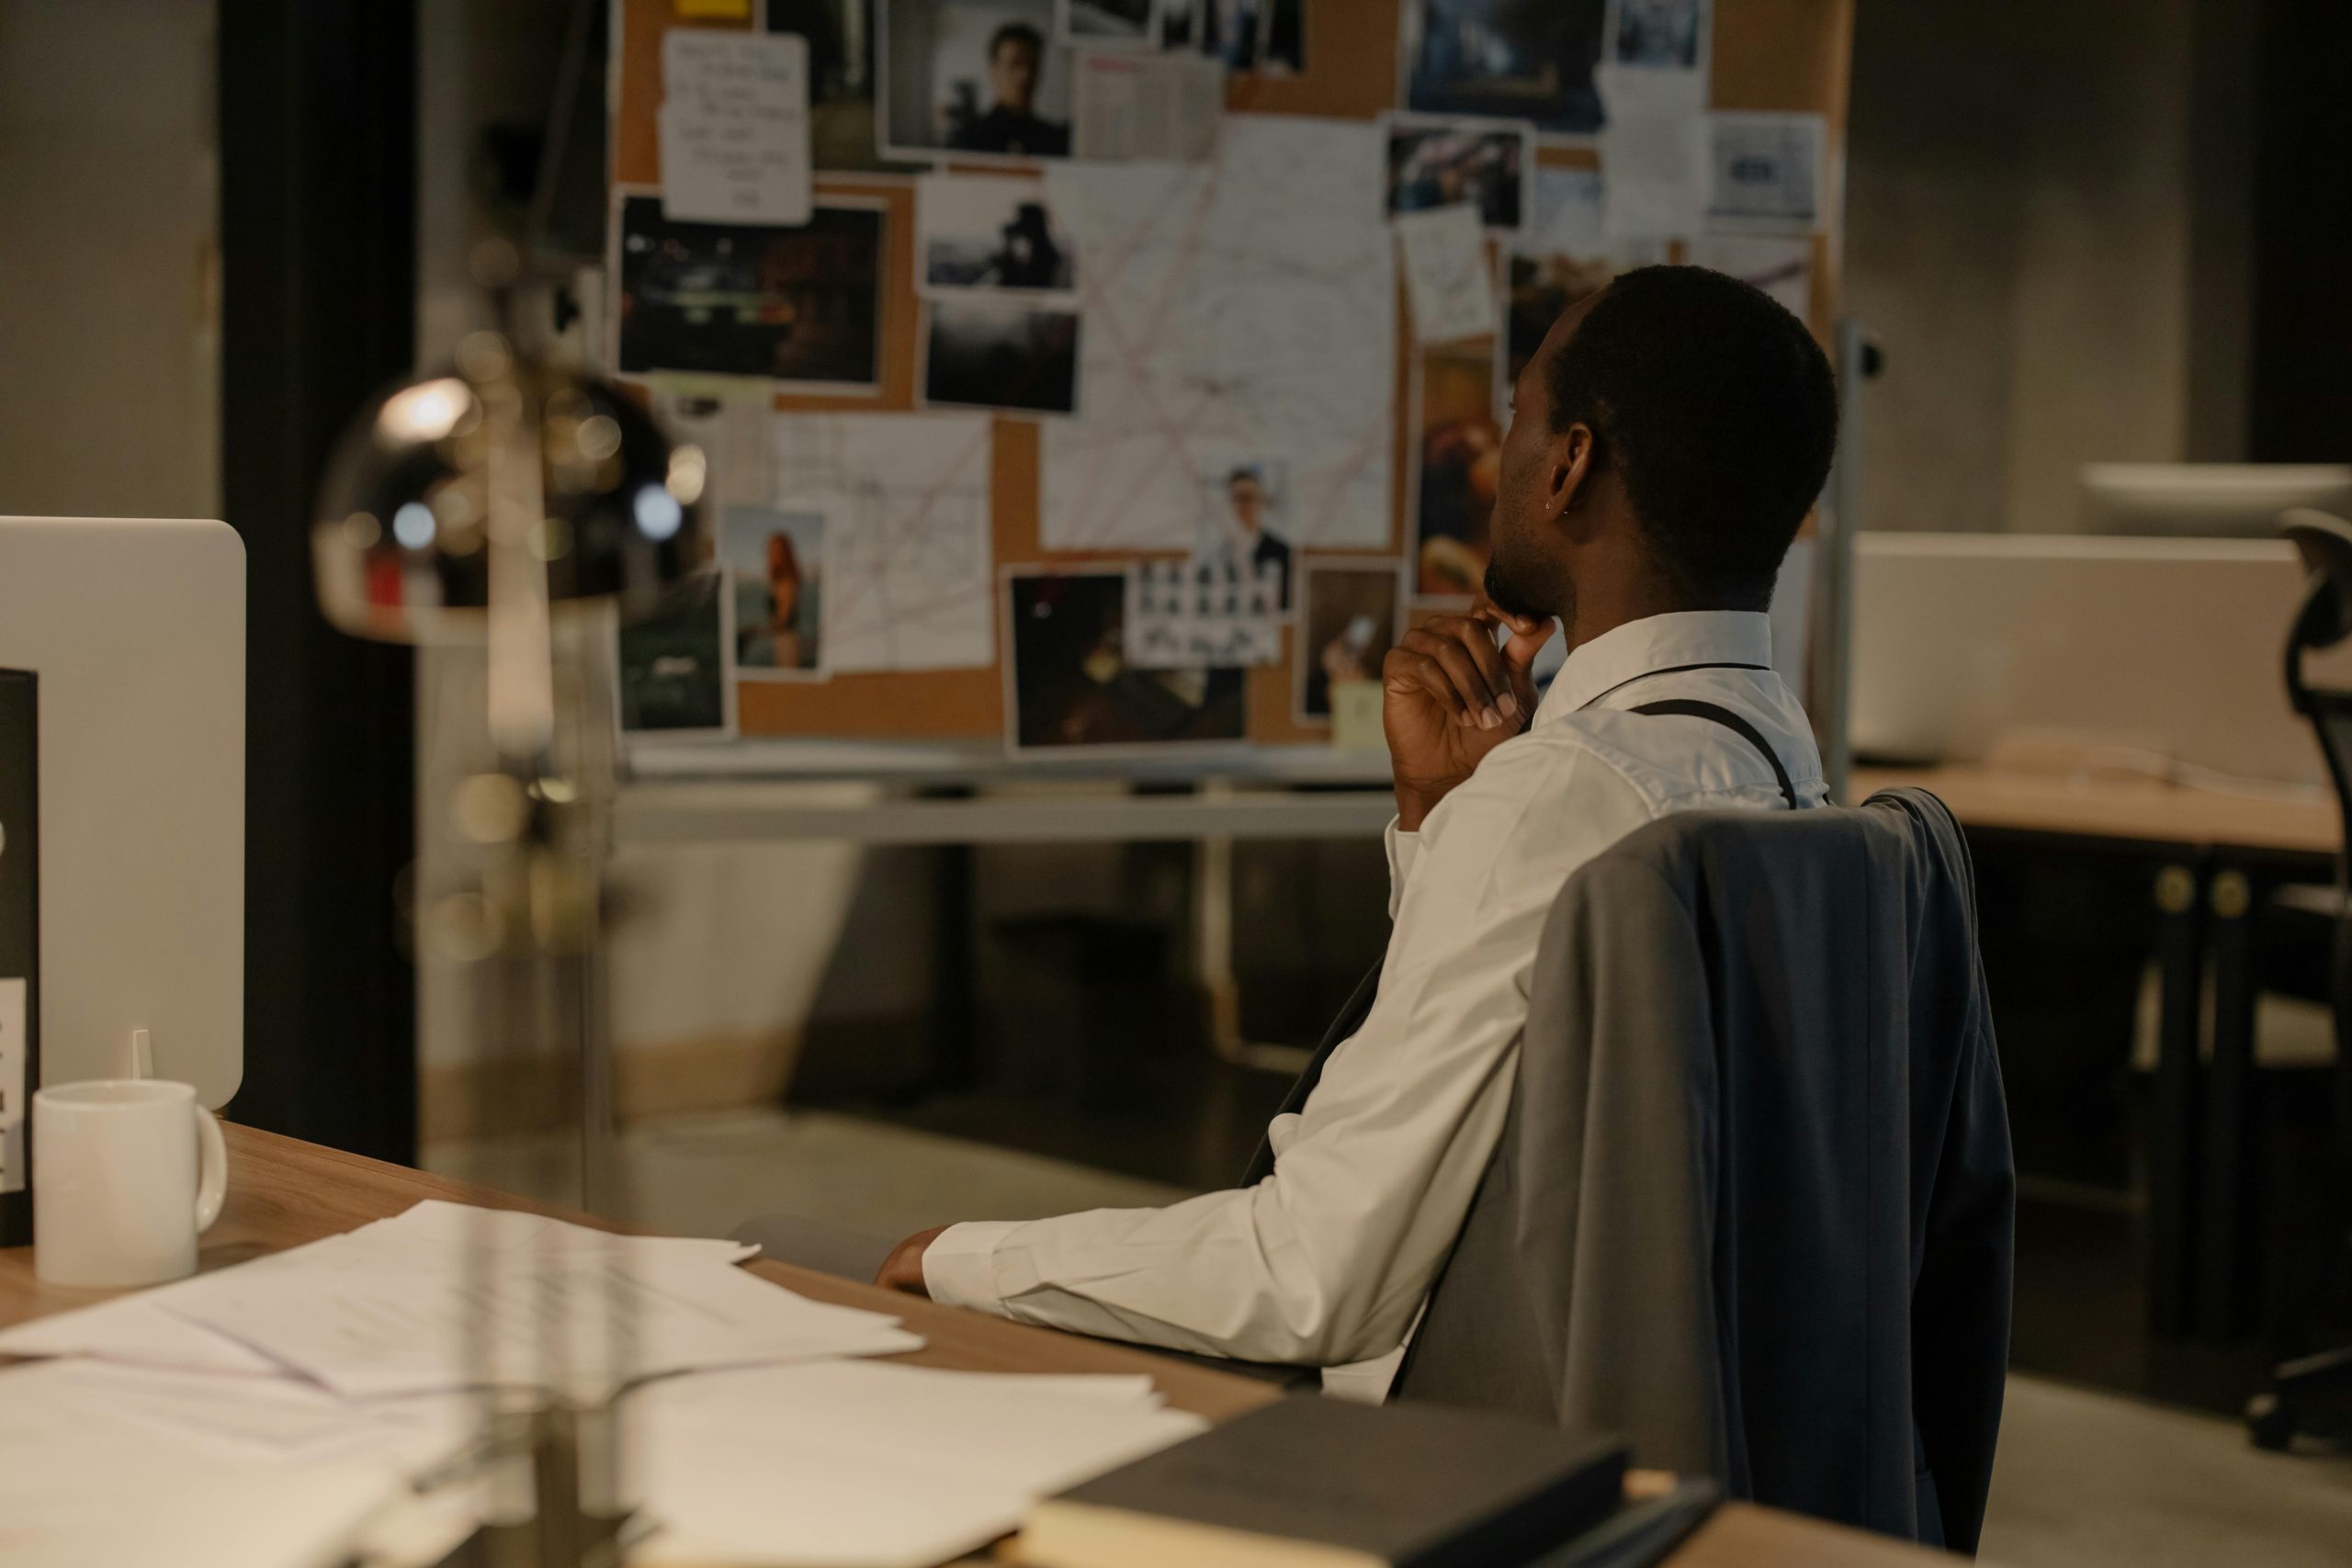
136	631
2207	501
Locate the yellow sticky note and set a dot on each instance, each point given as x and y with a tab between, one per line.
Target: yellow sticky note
715	10
1355	716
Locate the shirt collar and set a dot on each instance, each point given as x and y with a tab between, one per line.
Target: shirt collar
1655	643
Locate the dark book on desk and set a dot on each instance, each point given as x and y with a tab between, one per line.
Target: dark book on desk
1310	1483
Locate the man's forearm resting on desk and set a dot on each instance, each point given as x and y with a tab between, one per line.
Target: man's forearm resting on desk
1665	444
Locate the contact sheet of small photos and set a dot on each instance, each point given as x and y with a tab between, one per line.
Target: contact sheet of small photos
1204	611
1151	233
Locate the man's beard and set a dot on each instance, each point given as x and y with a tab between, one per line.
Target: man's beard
1509	592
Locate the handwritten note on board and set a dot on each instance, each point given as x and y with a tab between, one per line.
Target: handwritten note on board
735	126
1447	278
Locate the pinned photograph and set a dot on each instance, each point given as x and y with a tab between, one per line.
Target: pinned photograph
976	231
798	305
675	679
1000	354
1109	24
1243	518
1070	683
777	557
976	78
1458	458
1352	613
1449	164
1269	36
1507	59
1659	35
841	78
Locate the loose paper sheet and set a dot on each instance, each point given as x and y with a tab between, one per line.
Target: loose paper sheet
910	572
865	1466
1767	173
393	1308
1241	303
1447	278
734	124
1204	613
1147	105
1653	152
1568	212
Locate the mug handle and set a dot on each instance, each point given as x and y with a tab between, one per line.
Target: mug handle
212	1169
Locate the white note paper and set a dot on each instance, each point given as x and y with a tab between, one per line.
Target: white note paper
1567	217
1447	278
734	124
1653	152
1147	105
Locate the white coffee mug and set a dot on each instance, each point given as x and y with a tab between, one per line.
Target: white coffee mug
127	1173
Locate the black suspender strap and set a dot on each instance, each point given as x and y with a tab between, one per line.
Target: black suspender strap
1693	708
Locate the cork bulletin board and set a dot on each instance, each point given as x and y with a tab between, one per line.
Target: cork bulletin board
1788	56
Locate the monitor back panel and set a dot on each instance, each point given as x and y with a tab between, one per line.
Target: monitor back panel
1961	640
137	632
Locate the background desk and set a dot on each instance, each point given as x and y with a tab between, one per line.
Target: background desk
283	1193
2213	860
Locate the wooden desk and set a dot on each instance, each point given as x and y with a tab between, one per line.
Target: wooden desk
283	1193
2214	859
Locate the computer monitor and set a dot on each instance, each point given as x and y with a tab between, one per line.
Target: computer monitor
2174	648
135	633
2207	501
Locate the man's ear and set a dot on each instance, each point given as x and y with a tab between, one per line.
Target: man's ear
1573	457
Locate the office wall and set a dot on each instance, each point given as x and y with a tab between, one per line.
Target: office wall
2045	227
108	325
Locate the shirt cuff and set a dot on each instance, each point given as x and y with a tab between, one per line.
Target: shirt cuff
959	1268
1403	849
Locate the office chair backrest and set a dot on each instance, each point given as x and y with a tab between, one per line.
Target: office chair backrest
2324	543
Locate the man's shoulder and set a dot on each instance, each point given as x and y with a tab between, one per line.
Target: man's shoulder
1568	755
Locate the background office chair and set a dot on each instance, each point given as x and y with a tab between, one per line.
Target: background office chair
2325	620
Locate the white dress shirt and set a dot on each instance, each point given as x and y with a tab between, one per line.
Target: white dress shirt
1327	1261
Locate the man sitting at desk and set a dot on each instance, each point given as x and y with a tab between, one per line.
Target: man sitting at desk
1666	442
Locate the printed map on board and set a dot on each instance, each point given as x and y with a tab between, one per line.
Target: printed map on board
1237	313
908	581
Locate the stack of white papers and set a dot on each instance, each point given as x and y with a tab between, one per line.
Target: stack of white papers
306	1389
278	1414
112	1465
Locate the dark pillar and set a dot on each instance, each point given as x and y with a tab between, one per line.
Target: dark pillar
318	238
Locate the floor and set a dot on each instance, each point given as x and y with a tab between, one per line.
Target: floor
2085	1479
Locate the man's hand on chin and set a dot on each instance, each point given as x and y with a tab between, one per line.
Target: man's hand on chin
1448	697
902	1271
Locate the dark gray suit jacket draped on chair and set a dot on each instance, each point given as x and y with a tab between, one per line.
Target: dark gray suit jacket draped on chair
1752	1206
1753	1200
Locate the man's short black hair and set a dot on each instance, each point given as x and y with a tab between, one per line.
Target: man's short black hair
1717	410
1018	32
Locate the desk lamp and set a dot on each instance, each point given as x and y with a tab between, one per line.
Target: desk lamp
512	506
